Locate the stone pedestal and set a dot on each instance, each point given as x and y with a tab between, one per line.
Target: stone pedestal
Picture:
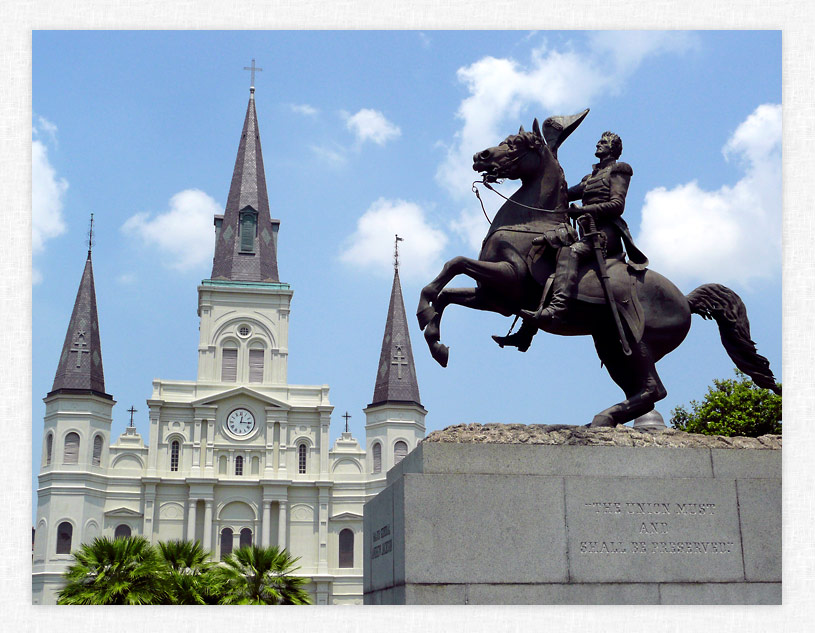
488	523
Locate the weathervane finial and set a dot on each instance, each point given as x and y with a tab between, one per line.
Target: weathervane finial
90	236
396	252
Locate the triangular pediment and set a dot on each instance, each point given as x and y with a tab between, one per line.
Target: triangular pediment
242	391
347	516
122	512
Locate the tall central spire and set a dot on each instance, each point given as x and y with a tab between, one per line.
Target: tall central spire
246	235
396	378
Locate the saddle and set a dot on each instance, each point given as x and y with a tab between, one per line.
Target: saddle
623	280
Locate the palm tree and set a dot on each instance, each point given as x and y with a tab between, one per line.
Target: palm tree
187	571
259	575
120	571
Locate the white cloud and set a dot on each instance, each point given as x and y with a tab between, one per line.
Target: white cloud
47	197
371	125
553	82
732	234
304	108
371	246
46	126
471	226
333	156
126	279
184	234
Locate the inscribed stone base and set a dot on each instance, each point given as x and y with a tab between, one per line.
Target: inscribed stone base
479	523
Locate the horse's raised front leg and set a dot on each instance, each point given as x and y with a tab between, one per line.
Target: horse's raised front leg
635	374
501	274
467	297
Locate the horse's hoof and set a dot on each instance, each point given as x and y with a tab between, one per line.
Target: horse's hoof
601	420
425	316
441	353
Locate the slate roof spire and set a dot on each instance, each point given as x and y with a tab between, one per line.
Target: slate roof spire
80	364
396	378
246	235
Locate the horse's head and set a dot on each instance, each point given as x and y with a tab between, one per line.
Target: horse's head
517	156
526	154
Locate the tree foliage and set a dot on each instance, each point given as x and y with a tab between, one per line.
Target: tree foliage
732	407
131	571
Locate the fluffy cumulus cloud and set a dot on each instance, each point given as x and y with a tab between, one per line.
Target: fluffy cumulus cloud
371	125
732	234
371	246
183	234
551	82
304	108
47	190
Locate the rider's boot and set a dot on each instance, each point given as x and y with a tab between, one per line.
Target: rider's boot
564	286
522	339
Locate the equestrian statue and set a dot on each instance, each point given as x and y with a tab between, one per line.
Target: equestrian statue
535	265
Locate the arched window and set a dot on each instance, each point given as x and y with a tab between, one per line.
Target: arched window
399	452
346	548
239	465
226	542
71	453
256	365
175	448
255	465
301	458
229	364
377	458
122	531
49	448
65	533
246	537
97	451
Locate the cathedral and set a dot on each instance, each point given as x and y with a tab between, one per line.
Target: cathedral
237	456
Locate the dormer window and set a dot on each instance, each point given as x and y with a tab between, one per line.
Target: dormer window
248	228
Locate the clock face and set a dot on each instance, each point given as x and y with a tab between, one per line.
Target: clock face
240	422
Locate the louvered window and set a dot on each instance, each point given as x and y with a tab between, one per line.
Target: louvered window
301	455
229	365
71	454
247	232
122	531
49	447
377	458
399	452
255	365
239	465
246	537
65	533
346	548
97	451
175	449
226	542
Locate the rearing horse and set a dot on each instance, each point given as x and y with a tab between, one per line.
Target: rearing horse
505	283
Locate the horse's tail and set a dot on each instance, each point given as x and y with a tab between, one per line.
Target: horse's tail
714	301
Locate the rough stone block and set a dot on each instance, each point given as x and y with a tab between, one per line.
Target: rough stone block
760	515
653	530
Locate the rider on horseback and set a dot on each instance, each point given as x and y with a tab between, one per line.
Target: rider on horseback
602	193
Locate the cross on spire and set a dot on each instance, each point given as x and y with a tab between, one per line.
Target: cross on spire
131	411
253	68
400	360
346	416
396	251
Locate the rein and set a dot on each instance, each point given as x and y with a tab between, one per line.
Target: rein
484	182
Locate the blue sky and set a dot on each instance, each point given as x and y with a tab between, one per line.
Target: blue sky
369	133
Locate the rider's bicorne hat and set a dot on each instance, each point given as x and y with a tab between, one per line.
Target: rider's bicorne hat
557	128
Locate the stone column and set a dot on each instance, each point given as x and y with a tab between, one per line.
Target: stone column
266	526
149	510
191	519
281	524
281	467
236	540
196	444
207	544
325	420
322	517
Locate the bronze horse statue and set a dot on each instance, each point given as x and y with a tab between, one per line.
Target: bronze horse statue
511	273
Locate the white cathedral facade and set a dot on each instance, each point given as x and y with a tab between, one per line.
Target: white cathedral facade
237	456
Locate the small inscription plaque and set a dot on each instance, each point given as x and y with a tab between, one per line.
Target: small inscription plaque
382	546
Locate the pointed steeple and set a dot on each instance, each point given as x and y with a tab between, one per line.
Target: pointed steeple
80	364
246	235
396	379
